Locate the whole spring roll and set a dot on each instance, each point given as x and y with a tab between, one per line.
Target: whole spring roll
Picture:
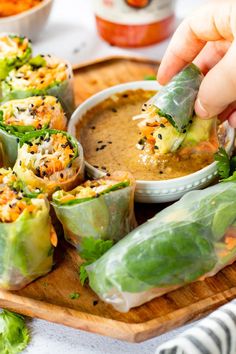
42	75
50	160
18	117
188	241
102	208
14	52
26	234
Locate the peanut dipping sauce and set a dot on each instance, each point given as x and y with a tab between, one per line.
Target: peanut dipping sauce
109	136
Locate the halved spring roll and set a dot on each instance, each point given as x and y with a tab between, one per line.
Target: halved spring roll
50	159
18	117
167	116
102	208
42	75
14	52
26	234
188	241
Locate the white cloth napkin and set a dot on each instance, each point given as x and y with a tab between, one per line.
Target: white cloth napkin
216	334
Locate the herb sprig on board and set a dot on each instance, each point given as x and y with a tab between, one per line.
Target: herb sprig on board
226	166
91	250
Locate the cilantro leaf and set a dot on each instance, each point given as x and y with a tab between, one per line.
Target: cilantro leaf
74	296
83	275
223	163
91	250
14	335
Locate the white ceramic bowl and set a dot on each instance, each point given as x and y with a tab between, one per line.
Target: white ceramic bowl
152	191
28	23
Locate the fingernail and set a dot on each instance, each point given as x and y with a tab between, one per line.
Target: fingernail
200	110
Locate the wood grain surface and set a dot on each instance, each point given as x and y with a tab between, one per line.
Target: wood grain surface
49	297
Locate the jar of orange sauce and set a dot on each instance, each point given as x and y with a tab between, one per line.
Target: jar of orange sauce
134	23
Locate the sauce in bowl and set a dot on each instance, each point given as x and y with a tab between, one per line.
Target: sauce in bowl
109	137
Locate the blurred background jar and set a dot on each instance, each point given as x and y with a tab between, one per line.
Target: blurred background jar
134	23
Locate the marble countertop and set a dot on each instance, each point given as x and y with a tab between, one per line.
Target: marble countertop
71	34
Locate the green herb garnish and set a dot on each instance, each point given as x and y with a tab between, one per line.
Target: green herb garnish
74	296
91	250
226	166
14	335
150	77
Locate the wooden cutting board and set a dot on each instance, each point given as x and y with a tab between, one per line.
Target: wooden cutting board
49	297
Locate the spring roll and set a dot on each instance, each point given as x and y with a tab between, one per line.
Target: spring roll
169	115
18	117
50	160
188	241
26	234
42	75
102	208
14	52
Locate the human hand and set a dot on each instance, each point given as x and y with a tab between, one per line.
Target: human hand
208	38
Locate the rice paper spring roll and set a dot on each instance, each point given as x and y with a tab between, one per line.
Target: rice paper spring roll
167	116
18	117
42	75
102	208
50	160
15	51
188	241
27	236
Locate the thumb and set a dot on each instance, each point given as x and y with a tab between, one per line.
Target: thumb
218	88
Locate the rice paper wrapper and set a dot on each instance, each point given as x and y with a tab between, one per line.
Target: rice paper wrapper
176	100
188	241
8	148
26	252
108	217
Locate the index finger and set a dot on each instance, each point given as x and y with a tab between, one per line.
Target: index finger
210	23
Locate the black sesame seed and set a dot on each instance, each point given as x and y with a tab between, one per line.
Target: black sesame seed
100	141
108	174
114	110
184	131
69	165
95	166
104	168
162	125
125	95
53	108
159	136
190	121
109	142
156	147
20	163
97	149
32	152
143	109
95	302
93	127
103	147
161	172
61	175
65	145
17	140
